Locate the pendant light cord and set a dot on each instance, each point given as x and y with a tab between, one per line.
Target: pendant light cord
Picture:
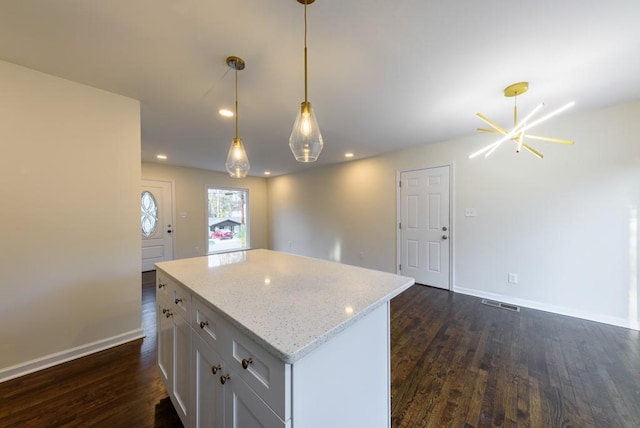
236	69
305	52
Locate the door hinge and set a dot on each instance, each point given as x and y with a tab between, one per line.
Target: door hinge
400	226
400	267
400	183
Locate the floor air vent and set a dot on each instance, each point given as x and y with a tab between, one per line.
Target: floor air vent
501	305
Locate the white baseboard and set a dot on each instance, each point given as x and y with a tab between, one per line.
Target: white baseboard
605	319
22	369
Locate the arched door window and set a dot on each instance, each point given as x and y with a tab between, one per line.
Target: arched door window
149	213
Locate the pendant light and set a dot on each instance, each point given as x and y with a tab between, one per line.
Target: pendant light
518	132
306	141
237	161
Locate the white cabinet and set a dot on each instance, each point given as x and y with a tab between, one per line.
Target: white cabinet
230	404
207	399
164	343
244	408
235	380
174	344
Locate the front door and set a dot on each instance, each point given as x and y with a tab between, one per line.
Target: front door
425	226
156	222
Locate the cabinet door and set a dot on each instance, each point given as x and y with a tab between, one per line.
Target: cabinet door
181	366
207	396
164	342
244	409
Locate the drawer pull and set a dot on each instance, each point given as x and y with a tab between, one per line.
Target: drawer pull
178	301
246	362
164	311
203	324
169	314
215	369
224	378
161	285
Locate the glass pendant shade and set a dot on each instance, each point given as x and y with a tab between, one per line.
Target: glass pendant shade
237	160
306	141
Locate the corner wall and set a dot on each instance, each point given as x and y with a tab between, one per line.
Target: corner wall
70	248
567	225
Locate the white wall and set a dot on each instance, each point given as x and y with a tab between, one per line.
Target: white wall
567	225
190	189
70	247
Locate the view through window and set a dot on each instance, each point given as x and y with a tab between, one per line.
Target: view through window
227	212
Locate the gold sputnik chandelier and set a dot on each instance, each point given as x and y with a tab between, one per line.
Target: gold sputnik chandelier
518	134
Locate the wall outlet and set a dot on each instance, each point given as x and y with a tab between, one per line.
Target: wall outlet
469	212
512	278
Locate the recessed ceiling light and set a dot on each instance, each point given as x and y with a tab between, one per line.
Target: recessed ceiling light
163	157
267	173
348	155
225	112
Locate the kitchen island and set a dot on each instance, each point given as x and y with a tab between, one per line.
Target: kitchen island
263	338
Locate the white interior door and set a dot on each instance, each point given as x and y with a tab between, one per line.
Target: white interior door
425	226
156	200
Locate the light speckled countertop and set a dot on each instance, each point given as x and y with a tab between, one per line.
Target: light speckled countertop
288	304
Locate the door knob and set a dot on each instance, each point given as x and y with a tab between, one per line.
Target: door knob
444	236
444	228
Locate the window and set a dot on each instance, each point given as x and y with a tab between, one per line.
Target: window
227	229
149	214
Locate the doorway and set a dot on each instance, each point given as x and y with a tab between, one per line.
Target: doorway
424	229
156	218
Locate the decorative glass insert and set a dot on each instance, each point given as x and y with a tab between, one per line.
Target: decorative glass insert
149	214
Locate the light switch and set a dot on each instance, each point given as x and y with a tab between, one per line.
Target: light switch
469	212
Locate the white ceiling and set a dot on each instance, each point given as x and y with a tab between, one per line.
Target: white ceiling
383	74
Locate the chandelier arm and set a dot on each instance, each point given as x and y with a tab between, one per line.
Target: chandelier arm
549	139
553	113
491	123
519	142
481	151
532	150
491	131
494	148
526	119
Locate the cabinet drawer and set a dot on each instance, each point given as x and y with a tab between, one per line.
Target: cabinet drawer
264	373
208	324
180	300
163	289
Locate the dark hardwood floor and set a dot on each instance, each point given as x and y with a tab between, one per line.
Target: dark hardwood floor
455	362
119	387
